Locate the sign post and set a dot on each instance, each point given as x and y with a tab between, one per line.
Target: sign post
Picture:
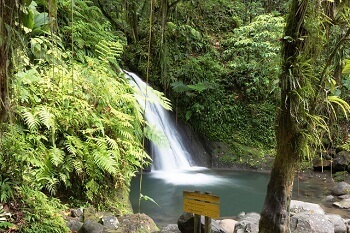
201	204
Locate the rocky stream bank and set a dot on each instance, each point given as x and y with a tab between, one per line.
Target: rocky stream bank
305	217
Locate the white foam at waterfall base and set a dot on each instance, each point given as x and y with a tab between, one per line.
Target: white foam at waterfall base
194	176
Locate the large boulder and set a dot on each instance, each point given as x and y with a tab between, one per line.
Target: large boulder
171	228
301	206
311	222
227	224
74	225
338	223
109	222
185	223
341	188
135	223
91	226
248	223
343	204
341	161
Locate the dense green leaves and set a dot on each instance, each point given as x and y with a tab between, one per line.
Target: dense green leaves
253	55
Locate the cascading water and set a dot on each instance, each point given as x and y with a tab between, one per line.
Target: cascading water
172	155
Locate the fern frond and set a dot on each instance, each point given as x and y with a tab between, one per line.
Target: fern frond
344	106
71	149
46	117
105	162
78	166
65	179
156	136
109	50
56	156
346	69
30	120
126	134
111	143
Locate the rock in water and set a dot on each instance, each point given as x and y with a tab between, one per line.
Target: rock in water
341	188
343	204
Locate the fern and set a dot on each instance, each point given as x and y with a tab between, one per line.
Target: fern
346	69
31	120
111	143
156	136
344	106
56	156
46	117
105	162
109	51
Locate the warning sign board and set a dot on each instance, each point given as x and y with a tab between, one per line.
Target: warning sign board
201	204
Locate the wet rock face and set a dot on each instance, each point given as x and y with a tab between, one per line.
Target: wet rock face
341	161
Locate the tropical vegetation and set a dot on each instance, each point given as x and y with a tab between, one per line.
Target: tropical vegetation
73	132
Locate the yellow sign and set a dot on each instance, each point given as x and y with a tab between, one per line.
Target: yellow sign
202	204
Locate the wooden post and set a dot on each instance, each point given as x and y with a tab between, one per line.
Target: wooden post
207	224
204	204
207	221
197	221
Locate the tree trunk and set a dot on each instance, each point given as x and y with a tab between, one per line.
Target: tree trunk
132	19
8	12
163	49
275	214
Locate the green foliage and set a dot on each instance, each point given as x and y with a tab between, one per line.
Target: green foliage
212	16
147	198
84	28
253	56
82	130
33	21
5	219
6	192
73	126
42	214
340	176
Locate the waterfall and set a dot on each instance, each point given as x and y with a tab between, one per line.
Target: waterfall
173	155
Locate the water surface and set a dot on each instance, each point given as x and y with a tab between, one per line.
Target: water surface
238	191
